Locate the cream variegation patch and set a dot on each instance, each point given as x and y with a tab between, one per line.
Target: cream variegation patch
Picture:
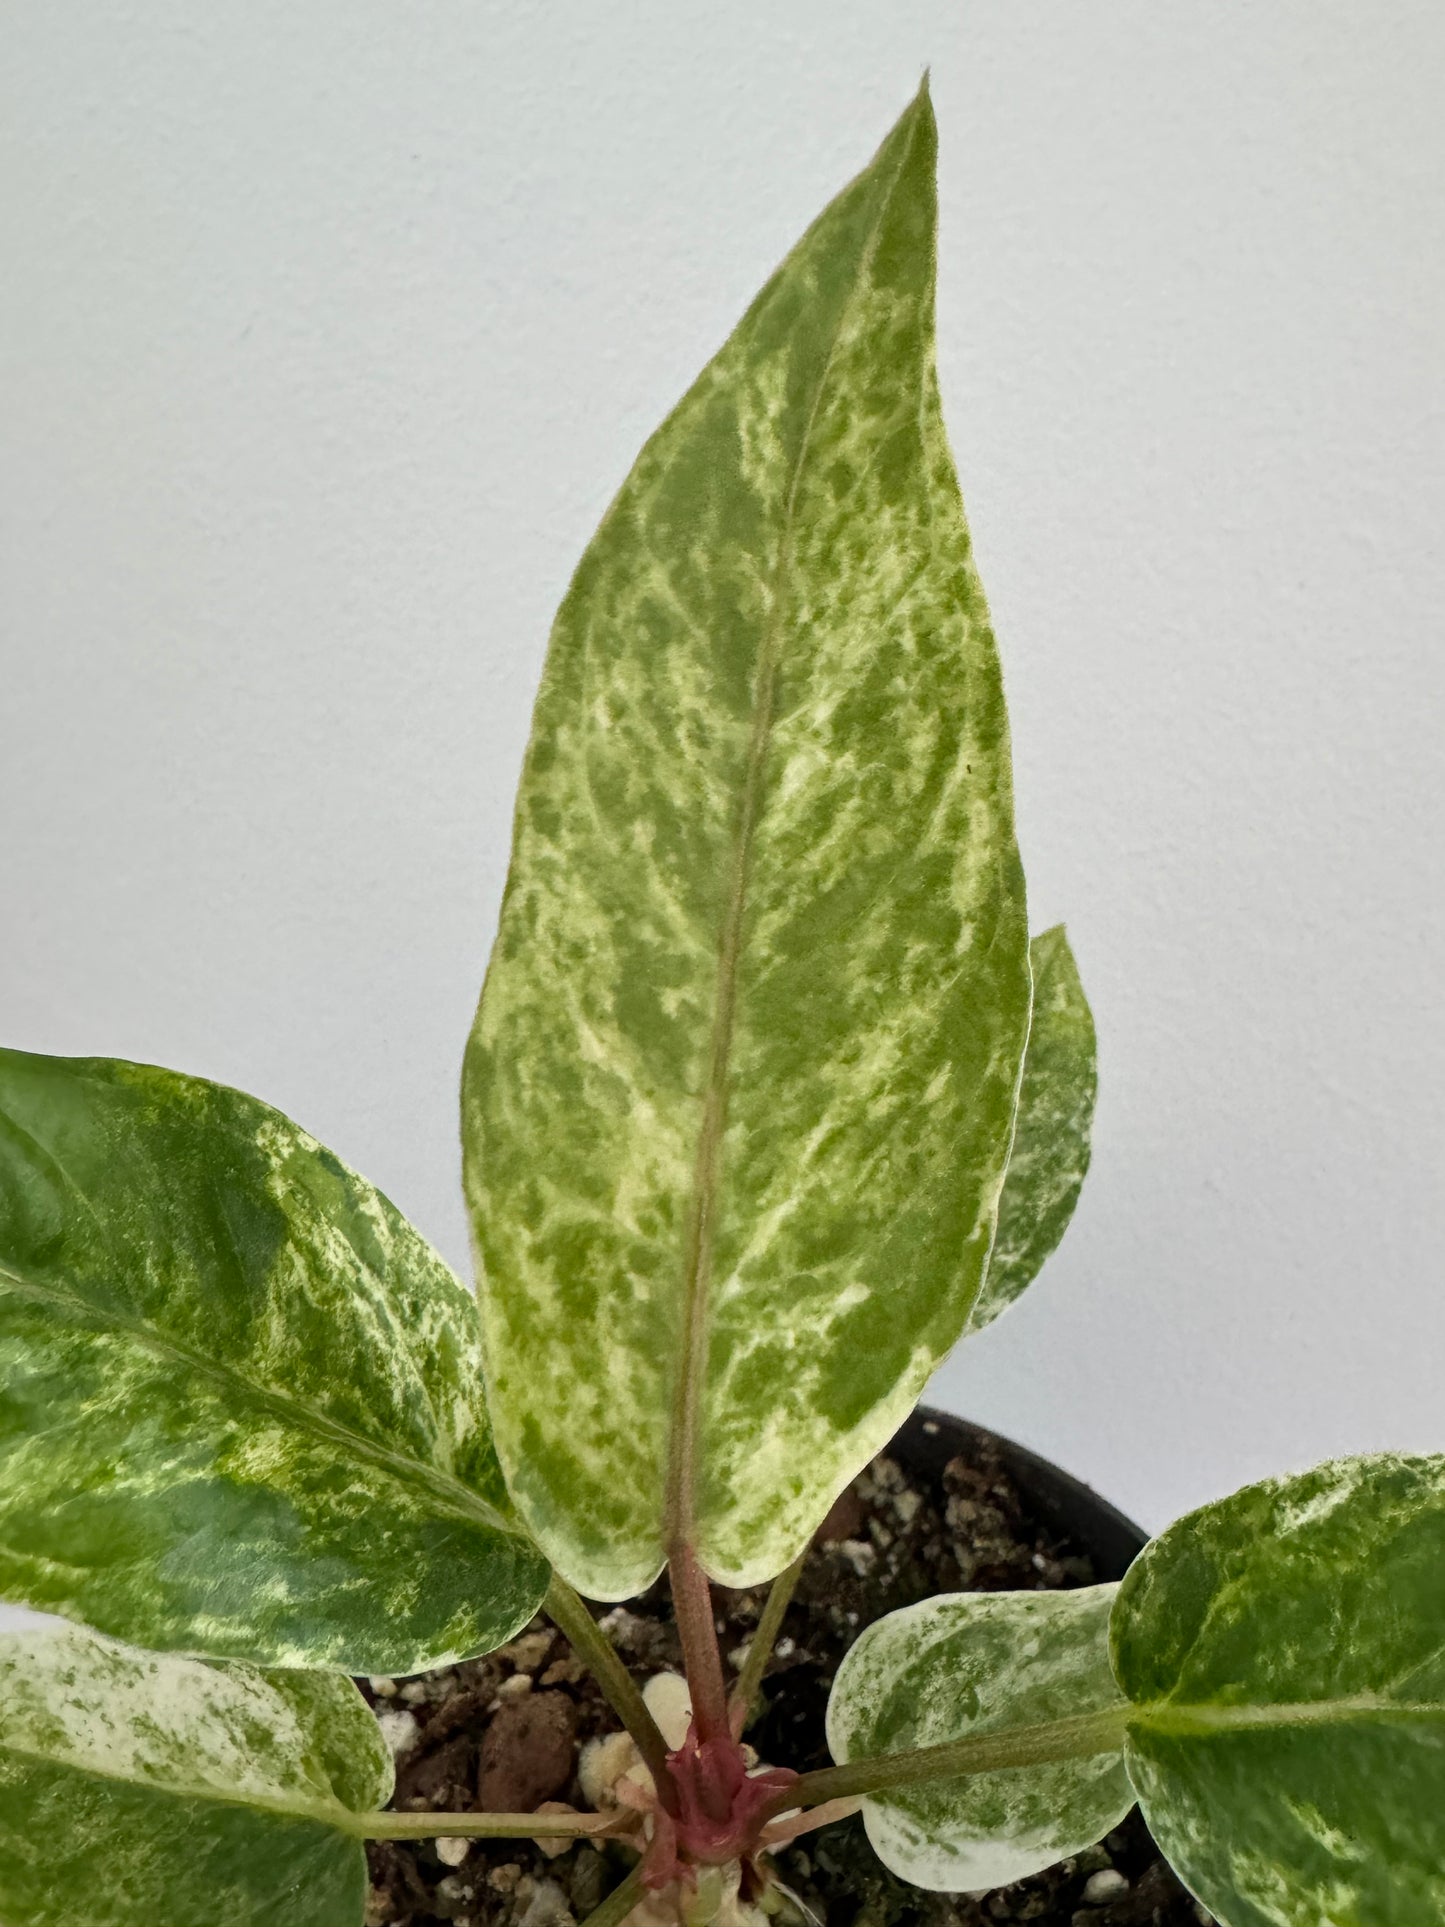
136	1788
966	1665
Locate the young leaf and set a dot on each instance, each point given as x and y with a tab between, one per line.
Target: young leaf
138	1791
967	1664
740	1090
240	1398
1284	1650
1050	1156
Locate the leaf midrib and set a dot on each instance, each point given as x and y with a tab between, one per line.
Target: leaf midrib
461	1498
1182	1719
679	1515
339	1818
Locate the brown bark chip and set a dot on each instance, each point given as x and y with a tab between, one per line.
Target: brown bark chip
844	1521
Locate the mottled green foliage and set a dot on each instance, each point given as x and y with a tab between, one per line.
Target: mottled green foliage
240	1398
138	1791
740	1090
1050	1155
1285	1653
967	1664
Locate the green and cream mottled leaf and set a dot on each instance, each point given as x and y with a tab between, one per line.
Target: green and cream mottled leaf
967	1664
241	1405
740	1090
142	1791
1050	1156
1284	1650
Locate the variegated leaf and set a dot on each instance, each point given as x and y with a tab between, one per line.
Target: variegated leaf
1050	1155
968	1664
1284	1650
138	1791
739	1094
240	1398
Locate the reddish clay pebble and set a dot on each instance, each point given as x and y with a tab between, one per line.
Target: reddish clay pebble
526	1753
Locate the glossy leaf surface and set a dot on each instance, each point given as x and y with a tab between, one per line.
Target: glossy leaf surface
240	1398
143	1791
739	1094
1285	1653
966	1664
1050	1155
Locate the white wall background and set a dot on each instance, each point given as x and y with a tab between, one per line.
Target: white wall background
329	331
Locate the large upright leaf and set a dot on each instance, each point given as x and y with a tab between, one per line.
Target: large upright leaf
1050	1155
739	1094
138	1791
240	1398
964	1665
1284	1650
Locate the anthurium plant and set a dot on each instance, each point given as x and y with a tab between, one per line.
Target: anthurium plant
769	1100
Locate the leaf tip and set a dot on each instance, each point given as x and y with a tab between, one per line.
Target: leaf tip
920	108
918	116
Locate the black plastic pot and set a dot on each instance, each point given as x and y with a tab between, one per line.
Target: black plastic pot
928	1440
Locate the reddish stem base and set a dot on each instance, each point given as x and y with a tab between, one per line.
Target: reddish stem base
721	1809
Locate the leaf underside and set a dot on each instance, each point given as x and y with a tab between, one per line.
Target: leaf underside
967	1664
140	1791
1285	1650
739	1093
1050	1156
240	1398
